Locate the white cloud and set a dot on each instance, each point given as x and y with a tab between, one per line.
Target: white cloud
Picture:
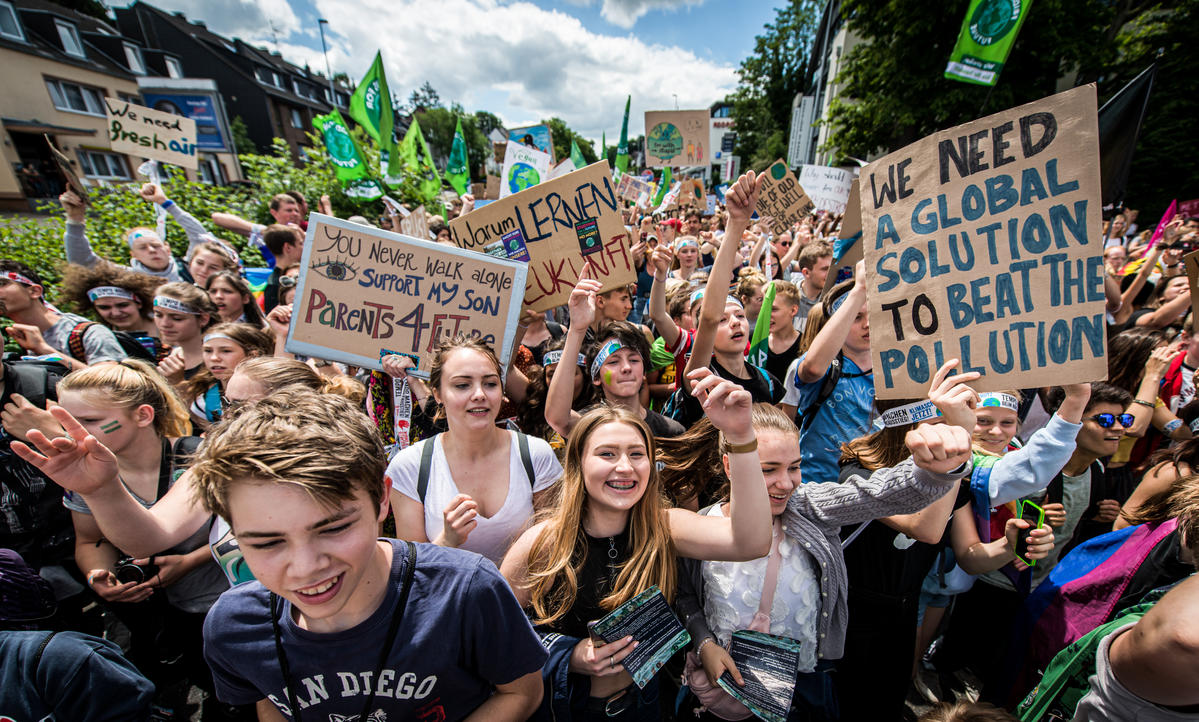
250	20
543	63
625	13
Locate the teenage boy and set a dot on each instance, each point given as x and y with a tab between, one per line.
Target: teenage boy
783	344
339	624
832	384
41	331
286	244
616	364
977	635
722	330
814	262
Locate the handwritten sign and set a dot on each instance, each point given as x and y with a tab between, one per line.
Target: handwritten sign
982	244
534	136
558	222
67	170
524	168
630	187
676	138
416	224
827	187
150	133
692	193
364	291
847	248
782	198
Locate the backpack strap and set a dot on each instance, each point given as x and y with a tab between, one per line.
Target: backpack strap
827	387
526	457
75	340
426	464
41	649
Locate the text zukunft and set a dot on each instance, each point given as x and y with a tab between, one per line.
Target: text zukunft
985	248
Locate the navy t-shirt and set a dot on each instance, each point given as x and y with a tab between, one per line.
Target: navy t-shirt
463	632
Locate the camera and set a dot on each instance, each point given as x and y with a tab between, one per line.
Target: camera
126	571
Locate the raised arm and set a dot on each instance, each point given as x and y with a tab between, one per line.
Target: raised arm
560	396
237	224
74	236
745	534
832	337
194	229
1028	470
667	328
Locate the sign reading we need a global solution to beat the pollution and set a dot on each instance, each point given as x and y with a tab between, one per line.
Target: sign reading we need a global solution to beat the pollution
982	243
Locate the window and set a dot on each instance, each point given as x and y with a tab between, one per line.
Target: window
70	39
280	81
264	76
76	98
135	99
9	27
133	58
211	171
297	120
99	164
174	70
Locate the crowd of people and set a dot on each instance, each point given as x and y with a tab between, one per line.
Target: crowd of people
188	506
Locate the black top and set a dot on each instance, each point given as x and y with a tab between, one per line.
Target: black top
596	578
778	363
662	427
761	384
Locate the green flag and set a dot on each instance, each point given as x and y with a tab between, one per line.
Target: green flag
986	38
759	343
370	105
456	168
663	187
576	155
347	160
414	153
622	149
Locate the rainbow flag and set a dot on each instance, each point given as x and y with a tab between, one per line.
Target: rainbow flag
257	279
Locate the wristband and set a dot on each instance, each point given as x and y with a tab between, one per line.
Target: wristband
746	448
700	648
167	204
1148	404
1172	425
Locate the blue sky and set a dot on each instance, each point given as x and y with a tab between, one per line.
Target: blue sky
521	59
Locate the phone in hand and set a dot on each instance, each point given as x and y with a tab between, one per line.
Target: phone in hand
1035	516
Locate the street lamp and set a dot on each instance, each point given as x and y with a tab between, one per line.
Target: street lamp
321	23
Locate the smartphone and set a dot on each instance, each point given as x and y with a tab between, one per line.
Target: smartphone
1035	516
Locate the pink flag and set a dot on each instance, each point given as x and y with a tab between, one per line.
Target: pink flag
1161	225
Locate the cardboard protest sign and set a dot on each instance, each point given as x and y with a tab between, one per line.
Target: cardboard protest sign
149	133
630	187
68	172
1191	262
847	247
492	188
416	224
827	187
564	166
478	189
524	168
710	205
982	243
676	138
560	224
365	292
692	193
782	198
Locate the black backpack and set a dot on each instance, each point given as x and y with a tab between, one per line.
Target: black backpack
130	344
426	463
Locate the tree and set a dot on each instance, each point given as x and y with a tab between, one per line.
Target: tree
241	137
438	126
770	79
423	98
487	122
562	135
892	86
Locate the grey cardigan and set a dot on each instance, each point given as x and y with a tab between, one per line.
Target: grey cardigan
814	517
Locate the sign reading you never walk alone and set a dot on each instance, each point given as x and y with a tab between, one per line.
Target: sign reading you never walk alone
364	292
555	227
982	244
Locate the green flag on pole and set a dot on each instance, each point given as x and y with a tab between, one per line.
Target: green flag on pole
414	153
347	160
663	186
370	105
576	155
985	40
456	168
759	343
622	149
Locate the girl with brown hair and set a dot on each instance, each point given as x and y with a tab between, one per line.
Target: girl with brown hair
225	346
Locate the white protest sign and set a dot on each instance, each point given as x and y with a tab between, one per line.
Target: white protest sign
827	187
524	167
149	133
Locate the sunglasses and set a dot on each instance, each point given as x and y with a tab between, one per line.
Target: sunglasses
287	281
1107	421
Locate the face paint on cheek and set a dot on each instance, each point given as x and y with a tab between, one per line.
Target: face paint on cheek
607	377
111	426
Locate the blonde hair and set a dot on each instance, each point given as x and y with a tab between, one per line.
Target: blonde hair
320	443
560	550
277	373
131	383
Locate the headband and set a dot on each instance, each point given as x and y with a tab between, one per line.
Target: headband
696	296
140	233
1194	426
610	347
14	276
683	242
734	301
999	400
178	306
912	413
211	336
109	292
836	304
552	357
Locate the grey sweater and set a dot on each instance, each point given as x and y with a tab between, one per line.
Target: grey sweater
814	517
79	250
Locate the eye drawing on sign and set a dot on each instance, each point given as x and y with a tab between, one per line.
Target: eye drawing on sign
335	269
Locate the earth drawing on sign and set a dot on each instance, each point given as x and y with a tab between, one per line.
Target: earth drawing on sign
665	141
522	176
